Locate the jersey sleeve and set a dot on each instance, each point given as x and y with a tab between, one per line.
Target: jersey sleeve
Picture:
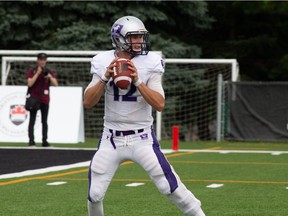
155	83
154	63
159	66
100	62
97	67
94	81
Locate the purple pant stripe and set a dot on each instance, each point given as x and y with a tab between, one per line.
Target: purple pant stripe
164	164
89	183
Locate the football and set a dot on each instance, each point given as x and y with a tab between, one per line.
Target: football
122	75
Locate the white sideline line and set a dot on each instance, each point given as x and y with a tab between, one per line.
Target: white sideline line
233	151
48	148
87	163
44	170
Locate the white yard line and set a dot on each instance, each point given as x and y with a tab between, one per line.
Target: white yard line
215	185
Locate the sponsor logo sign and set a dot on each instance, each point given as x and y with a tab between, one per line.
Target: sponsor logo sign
14	118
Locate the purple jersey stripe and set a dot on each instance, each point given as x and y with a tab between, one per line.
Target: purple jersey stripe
164	164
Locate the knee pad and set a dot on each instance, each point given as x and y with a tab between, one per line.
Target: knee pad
96	194
185	200
163	186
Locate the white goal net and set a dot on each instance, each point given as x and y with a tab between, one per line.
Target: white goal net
190	89
191	96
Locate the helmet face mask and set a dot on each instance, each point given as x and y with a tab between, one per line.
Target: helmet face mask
123	32
143	45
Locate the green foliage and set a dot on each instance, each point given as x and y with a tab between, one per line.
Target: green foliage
65	25
252	32
280	72
78	36
174	48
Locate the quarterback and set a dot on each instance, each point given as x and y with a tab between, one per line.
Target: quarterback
128	132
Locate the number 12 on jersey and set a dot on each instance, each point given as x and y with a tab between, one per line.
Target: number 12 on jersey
128	96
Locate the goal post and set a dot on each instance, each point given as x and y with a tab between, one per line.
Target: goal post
7	60
233	62
190	87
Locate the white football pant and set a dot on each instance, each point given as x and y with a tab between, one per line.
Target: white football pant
143	149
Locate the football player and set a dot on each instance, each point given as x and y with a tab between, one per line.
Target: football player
128	132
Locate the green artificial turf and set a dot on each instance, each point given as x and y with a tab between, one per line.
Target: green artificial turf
253	184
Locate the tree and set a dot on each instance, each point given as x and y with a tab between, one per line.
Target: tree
252	32
86	25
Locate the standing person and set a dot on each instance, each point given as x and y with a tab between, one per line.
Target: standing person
39	80
128	132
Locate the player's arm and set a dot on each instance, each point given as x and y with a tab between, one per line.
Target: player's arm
93	92
153	92
95	89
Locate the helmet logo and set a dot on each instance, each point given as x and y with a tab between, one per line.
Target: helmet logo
117	29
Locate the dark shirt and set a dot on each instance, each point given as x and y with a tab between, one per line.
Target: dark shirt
38	85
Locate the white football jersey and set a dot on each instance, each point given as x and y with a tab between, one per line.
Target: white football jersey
126	109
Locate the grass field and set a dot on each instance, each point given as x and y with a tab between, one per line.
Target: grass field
248	184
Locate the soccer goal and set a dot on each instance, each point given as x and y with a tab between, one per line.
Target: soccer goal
190	90
194	99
